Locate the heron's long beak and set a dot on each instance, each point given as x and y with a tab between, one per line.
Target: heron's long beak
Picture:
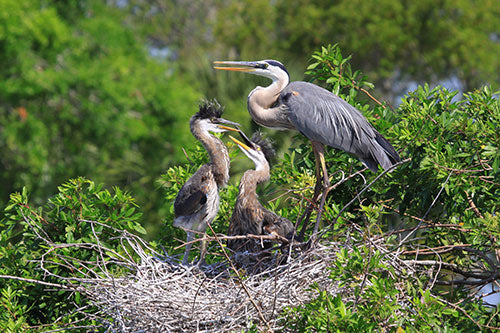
239	143
247	140
243	66
228	122
227	128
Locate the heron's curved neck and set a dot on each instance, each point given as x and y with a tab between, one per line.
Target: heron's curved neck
260	105
249	182
219	157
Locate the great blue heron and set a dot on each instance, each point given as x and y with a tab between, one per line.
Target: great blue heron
197	202
320	115
249	216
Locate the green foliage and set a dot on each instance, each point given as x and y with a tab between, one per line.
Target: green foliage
394	41
63	220
13	314
80	96
422	40
379	302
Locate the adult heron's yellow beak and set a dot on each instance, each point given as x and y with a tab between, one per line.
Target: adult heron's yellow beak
239	143
244	66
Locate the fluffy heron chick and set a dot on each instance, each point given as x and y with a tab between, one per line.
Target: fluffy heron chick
197	202
249	216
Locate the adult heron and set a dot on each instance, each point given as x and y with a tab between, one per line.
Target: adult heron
321	116
197	202
249	216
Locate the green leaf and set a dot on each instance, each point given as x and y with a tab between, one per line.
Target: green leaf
140	229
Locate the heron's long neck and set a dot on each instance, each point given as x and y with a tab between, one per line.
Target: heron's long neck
248	185
219	157
260	105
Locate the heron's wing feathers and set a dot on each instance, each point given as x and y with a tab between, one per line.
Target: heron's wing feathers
324	117
192	196
275	224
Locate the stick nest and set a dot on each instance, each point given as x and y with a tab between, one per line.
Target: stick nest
162	295
136	289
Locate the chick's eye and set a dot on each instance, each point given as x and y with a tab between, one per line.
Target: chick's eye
258	149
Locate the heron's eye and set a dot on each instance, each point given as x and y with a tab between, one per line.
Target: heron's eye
258	148
263	66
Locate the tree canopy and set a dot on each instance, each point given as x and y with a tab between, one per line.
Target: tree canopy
81	96
391	40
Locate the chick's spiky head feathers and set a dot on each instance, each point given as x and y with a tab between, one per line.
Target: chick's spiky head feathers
265	145
209	109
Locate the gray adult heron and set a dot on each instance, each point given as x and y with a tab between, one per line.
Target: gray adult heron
249	216
197	202
321	116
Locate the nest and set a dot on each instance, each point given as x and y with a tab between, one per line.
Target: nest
162	295
137	289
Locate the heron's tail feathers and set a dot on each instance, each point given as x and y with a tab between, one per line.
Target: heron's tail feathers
382	153
392	154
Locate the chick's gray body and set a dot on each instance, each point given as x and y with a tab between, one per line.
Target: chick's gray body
197	202
249	215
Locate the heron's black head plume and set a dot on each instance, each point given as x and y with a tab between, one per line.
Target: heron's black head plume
265	145
277	64
209	109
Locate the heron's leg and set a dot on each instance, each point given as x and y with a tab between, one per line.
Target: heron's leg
203	251
317	148
304	219
189	238
326	187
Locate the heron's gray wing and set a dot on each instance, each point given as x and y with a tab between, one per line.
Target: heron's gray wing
192	196
324	117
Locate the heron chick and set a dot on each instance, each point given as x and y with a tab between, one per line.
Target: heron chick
321	116
197	202
249	216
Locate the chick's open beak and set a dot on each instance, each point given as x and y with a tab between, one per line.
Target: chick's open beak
221	121
227	128
239	143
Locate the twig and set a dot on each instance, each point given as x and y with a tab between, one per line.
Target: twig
456	307
49	284
473	206
361	192
273	237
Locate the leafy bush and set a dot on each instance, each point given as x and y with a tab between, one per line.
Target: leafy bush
63	220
